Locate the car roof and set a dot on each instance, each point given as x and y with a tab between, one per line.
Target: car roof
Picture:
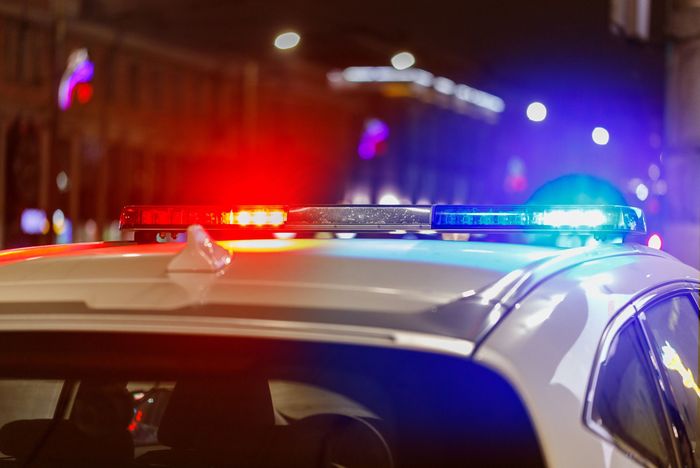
427	294
367	274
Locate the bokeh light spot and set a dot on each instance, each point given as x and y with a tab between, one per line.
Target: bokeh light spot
600	136
536	112
642	191
58	220
62	181
287	40
33	221
654	172
389	199
655	242
403	60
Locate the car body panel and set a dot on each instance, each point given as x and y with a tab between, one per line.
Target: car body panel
547	345
372	275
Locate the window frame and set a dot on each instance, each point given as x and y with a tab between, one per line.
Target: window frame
631	314
678	425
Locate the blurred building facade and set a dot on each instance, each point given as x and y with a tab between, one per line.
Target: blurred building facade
160	124
157	124
682	157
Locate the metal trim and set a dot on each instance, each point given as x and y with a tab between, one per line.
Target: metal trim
168	323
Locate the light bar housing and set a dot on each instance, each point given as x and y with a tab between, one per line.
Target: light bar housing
607	219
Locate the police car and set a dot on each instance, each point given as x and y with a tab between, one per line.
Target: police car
237	336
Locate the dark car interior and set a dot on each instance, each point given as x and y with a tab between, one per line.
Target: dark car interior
177	401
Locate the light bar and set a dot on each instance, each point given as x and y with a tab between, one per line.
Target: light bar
559	218
359	218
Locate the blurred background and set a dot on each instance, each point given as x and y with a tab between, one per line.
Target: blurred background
111	102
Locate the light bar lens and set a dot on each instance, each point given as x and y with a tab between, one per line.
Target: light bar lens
620	219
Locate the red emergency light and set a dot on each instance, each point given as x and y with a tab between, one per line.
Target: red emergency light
164	218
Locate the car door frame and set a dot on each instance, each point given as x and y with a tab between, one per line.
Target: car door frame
630	313
692	293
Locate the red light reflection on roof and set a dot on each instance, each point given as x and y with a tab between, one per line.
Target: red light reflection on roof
26	253
84	249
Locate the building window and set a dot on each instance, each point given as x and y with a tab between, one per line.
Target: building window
10	46
133	80
176	90
30	56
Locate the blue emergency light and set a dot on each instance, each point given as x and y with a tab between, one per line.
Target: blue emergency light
595	219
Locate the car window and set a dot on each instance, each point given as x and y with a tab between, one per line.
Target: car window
291	401
673	325
217	401
626	402
23	400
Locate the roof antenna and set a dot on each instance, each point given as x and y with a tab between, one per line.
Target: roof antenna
200	255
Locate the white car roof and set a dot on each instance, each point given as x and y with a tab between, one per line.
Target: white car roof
361	274
442	295
358	290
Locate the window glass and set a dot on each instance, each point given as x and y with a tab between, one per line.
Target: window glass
626	402
24	400
174	401
673	326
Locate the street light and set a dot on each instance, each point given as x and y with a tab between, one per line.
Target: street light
403	60
287	40
600	136
536	112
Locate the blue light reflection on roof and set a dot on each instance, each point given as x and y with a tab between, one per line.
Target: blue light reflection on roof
479	255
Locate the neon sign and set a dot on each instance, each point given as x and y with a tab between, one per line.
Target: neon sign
373	140
79	70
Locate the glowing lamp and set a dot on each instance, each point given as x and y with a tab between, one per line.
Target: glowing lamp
79	70
287	40
84	92
536	112
403	60
600	136
163	218
655	242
